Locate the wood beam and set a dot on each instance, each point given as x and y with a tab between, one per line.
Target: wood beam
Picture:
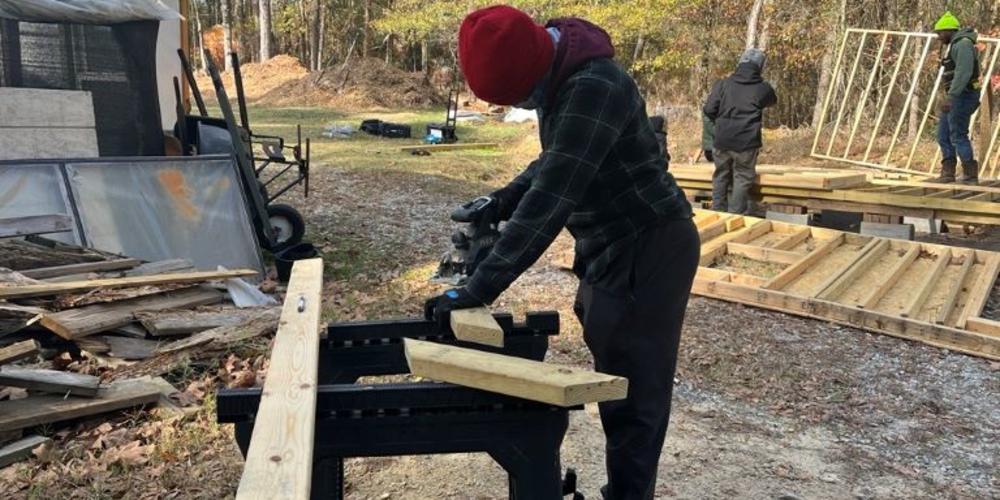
980	292
764	253
21	449
17	351
790	273
890	280
835	277
476	325
279	461
86	267
35	224
843	282
22	291
553	384
51	381
926	285
45	409
793	239
956	289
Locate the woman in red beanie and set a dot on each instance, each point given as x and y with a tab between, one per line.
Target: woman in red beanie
601	175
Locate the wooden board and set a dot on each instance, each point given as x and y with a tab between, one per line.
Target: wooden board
76	323
925	292
18	351
263	321
279	459
35	224
476	325
40	410
21	449
86	267
52	381
172	323
21	291
553	384
130	348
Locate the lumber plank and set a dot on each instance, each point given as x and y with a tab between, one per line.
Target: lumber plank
87	320
279	460
942	336
21	449
764	253
22	291
450	147
18	351
890	280
926	285
523	378
476	325
984	326
262	322
35	224
793	271
52	381
855	271
47	409
844	271
981	290
130	348
956	289
793	239
162	267
82	268
173	323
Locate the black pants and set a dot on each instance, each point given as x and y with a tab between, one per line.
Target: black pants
632	321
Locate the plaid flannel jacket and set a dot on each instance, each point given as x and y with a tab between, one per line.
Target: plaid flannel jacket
600	174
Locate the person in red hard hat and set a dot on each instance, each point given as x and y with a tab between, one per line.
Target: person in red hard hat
601	175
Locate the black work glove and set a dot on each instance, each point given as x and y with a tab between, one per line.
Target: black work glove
709	155
439	308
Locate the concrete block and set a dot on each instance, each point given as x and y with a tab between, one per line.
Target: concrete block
924	224
804	219
895	231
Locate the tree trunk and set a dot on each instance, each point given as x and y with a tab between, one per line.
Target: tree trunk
265	30
227	35
322	41
751	38
198	37
364	29
424	56
314	38
826	65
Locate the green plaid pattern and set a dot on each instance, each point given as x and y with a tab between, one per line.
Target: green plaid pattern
600	174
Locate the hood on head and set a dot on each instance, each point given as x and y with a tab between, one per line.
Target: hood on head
747	73
580	41
965	33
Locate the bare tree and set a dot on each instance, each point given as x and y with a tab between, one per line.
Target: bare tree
264	22
227	35
365	29
199	36
826	65
314	35
751	38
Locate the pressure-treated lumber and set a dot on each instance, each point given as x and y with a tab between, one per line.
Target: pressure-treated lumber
35	224
793	239
279	460
837	274
523	378
927	285
45	409
877	249
955	290
764	253
82	268
890	280
790	273
21	449
476	325
18	351
984	326
13	292
52	381
980	292
450	147
76	323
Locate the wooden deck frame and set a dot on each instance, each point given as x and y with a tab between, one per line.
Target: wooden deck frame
976	274
894	44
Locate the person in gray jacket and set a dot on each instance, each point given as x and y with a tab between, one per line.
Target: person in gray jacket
733	117
961	81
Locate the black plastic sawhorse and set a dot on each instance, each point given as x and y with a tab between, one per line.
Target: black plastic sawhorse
353	420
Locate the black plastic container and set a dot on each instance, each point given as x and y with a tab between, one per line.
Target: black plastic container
284	259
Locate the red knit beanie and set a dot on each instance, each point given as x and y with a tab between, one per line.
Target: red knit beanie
503	54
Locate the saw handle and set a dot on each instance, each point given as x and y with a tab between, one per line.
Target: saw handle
480	209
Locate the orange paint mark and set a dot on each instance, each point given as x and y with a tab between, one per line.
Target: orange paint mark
180	193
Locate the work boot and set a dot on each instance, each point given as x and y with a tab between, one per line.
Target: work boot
970	173
947	172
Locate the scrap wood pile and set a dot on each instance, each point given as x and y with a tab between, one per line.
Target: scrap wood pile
84	333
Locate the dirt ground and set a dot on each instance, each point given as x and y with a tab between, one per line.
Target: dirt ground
766	405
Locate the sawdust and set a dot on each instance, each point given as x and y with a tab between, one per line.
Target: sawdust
745	265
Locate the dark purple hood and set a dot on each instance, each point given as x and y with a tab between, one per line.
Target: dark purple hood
579	41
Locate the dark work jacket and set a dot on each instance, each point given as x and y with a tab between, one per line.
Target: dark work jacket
736	108
600	174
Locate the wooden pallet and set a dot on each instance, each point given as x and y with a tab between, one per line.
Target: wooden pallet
933	294
951	202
